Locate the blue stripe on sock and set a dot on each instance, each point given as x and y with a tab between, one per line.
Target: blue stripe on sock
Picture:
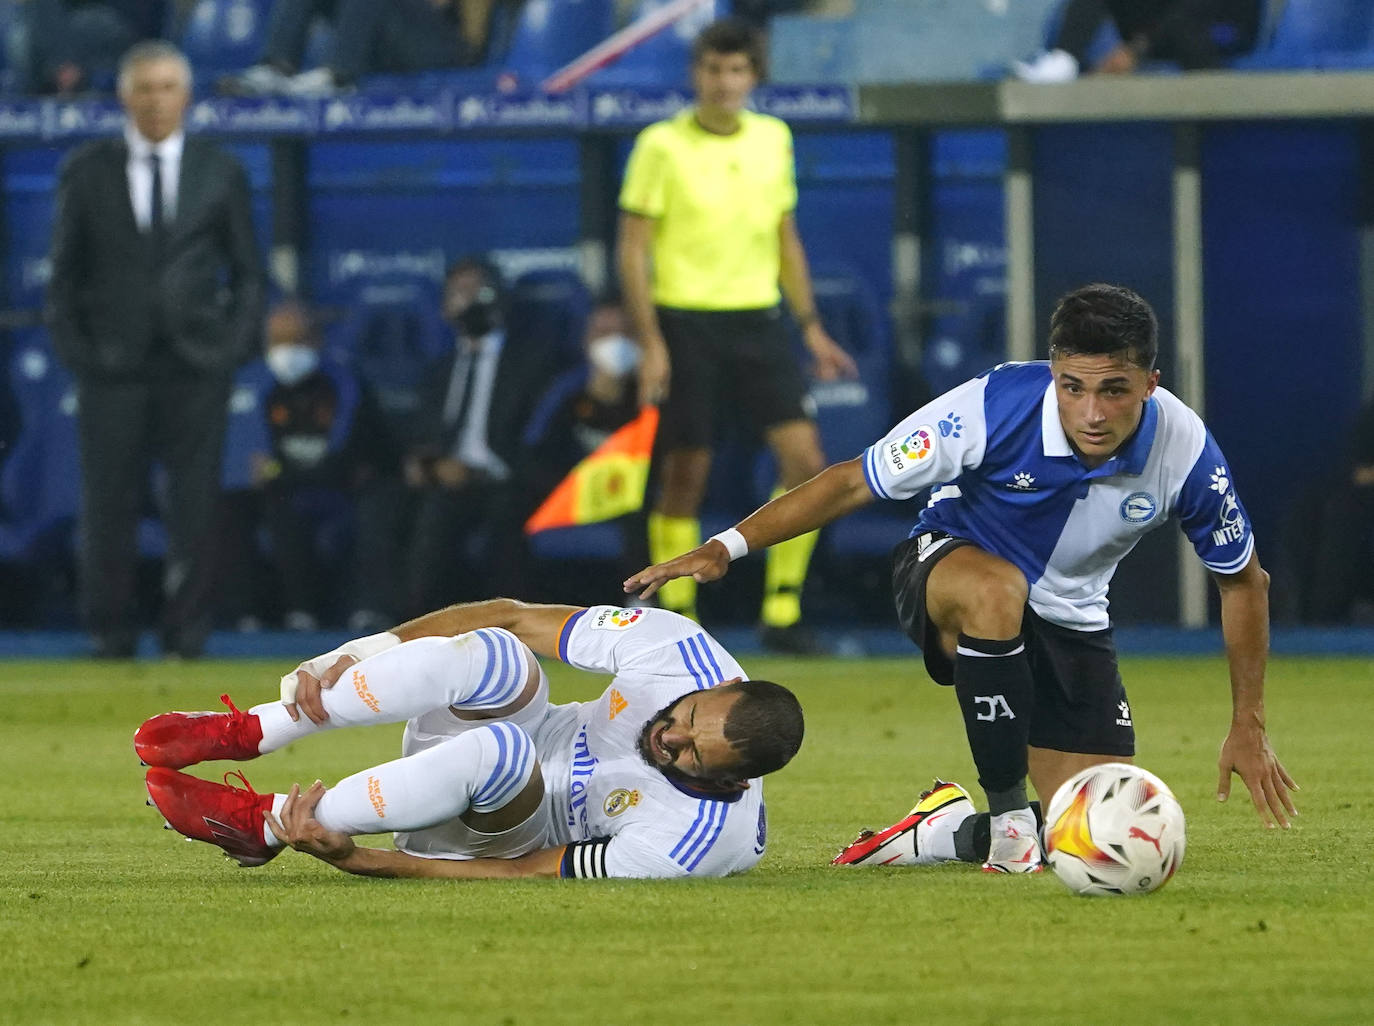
514	766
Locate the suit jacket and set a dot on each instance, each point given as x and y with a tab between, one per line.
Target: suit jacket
523	371
114	290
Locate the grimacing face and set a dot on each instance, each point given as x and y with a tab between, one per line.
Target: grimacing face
723	81
1101	400
686	739
155	93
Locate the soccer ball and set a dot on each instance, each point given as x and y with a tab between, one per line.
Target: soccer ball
1114	829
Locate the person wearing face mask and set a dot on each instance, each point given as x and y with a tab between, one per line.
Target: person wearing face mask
461	477
581	409
324	442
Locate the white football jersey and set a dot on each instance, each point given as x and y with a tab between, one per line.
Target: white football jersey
618	815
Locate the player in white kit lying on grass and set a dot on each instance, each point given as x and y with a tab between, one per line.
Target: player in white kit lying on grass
659	777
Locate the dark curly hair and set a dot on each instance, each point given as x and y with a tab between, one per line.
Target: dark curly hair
1106	319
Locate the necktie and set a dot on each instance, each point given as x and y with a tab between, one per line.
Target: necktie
155	220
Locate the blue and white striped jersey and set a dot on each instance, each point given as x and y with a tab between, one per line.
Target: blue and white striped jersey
1005	477
652	826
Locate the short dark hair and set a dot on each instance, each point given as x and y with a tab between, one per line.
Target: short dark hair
730	35
1105	319
764	726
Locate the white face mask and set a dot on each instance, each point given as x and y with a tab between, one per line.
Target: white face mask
613	354
292	363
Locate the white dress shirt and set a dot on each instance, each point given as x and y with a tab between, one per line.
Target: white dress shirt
470	447
141	175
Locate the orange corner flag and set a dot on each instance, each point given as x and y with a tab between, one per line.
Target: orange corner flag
607	483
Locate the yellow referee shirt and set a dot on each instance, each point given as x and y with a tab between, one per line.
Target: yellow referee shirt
717	202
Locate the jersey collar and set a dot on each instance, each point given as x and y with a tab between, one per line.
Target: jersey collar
715	796
1130	459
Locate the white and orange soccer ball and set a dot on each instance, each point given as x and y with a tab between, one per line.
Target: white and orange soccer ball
1114	829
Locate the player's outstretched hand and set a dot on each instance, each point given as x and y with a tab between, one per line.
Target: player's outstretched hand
704	563
1247	752
299	828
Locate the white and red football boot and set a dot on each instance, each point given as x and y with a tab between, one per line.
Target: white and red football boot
911	841
1015	843
177	739
221	814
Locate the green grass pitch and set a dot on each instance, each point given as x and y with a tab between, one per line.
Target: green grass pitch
105	918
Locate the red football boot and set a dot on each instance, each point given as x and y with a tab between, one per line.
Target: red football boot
221	814
178	739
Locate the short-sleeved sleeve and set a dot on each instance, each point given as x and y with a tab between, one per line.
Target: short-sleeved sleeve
645	188
935	444
710	844
1211	514
653	644
788	199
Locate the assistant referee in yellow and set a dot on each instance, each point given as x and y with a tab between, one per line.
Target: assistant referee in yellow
707	236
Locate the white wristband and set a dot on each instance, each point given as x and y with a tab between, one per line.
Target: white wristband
733	541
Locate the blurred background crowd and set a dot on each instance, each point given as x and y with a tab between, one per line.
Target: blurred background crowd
379	460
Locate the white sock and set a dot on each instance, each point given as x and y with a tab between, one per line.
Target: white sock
484	669
481	769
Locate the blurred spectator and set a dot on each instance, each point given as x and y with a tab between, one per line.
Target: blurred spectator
583	408
395	36
458	506
1331	538
1195	33
326	441
155	299
74	45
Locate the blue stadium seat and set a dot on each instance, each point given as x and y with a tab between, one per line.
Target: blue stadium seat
805	49
550	33
246	437
1316	34
220	37
662	60
550	307
391	334
40	485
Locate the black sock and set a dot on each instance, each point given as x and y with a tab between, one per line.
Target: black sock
993	682
974	835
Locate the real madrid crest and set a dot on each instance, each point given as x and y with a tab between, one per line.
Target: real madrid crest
619	800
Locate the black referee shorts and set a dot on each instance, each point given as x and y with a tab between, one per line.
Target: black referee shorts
723	359
1080	700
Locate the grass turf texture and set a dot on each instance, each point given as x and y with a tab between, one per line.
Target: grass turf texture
108	919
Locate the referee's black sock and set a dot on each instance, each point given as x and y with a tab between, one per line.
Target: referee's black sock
993	682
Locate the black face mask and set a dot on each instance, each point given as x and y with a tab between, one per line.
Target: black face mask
483	316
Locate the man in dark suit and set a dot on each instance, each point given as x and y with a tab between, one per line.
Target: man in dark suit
467	529
156	298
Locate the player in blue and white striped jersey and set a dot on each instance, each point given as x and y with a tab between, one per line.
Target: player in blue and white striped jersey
1044	476
659	777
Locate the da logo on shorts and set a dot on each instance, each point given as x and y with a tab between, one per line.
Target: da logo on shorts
617	619
619	800
1138	508
913	450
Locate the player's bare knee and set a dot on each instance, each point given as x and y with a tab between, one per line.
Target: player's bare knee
993	604
520	808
